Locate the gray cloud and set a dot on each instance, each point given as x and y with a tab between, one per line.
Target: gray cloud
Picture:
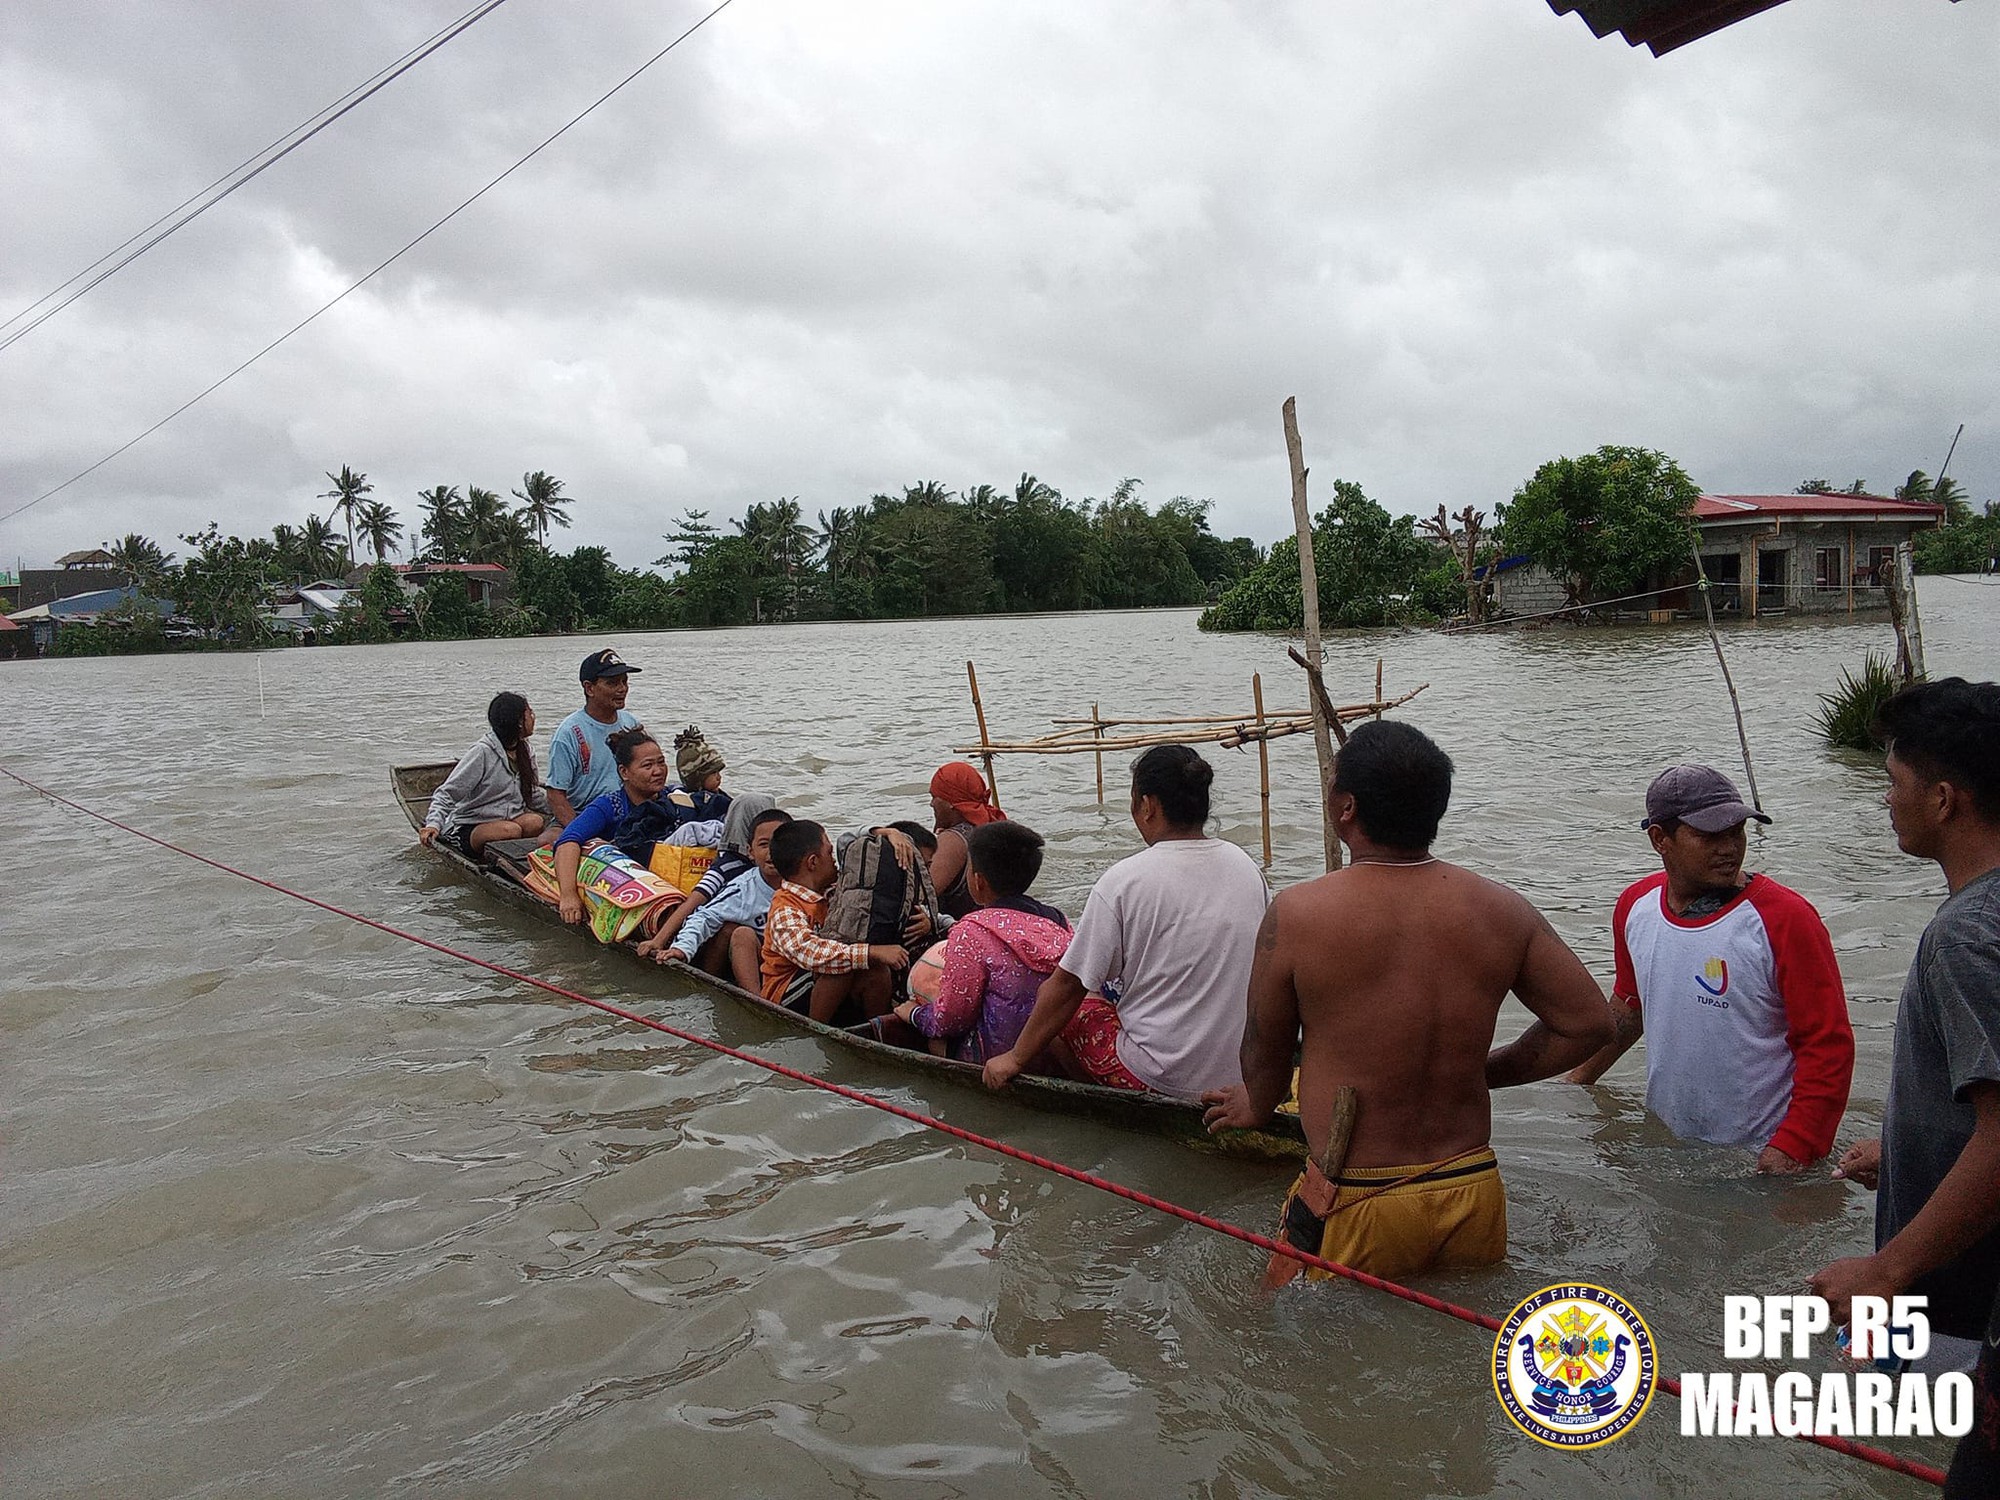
827	250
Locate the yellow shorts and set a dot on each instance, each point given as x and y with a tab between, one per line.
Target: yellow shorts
1394	1221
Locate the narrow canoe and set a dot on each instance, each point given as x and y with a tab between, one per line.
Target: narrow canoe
1154	1114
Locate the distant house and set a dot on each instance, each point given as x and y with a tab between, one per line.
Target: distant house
486	584
1807	554
42	620
1768	554
74	573
307	611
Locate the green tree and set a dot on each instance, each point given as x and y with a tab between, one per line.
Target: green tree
381	528
319	550
1605	522
1813	487
221	585
1916	488
492	533
1968	546
143	561
542	502
441	522
1373	570
1949	493
348	489
371	613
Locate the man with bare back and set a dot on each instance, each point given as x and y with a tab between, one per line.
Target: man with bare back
1394	970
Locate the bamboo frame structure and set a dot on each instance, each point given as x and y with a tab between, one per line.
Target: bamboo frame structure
1093	736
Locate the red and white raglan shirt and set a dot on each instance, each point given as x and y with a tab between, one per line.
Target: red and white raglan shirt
1747	1037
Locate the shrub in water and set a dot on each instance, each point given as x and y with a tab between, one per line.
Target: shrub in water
1846	712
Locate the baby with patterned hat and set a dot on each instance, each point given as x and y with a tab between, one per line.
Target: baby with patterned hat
699	798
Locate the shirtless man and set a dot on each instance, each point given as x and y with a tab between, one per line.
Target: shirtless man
1395	969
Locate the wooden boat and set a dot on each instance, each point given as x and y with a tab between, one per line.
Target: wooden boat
1154	1114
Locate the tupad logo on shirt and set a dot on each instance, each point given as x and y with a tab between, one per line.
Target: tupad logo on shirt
1714	977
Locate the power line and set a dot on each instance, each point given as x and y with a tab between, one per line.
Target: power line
237	177
382	266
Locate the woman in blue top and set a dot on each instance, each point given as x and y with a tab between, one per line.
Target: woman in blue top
642	776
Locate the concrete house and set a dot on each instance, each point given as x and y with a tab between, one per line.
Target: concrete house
1811	554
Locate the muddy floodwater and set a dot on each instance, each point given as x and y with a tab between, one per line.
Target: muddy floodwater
289	1207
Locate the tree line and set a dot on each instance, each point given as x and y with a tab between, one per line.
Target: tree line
928	550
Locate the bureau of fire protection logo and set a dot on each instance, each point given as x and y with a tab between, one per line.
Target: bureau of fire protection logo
1573	1366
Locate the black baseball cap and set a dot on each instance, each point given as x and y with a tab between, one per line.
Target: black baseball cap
1699	796
604	664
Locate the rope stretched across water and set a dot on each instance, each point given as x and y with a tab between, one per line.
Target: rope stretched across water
1895	1463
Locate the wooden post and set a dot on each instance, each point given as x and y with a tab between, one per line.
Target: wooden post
1850	572
979	712
1309	589
1097	728
1903	615
1263	763
1378	687
1736	707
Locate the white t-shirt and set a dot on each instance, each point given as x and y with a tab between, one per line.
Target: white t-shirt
1176	925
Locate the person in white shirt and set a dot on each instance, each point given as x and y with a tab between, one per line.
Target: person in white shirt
1172	928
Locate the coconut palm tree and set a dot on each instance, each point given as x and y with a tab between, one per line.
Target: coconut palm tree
542	501
1031	491
493	533
141	559
319	554
442	522
929	493
1949	493
348	488
381	528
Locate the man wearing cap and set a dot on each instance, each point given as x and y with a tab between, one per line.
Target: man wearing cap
581	766
1733	982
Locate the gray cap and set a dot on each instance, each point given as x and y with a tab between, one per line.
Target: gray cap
1699	796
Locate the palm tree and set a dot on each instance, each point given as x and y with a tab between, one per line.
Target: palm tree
319	553
287	555
542	501
1949	493
348	488
493	533
1916	487
381	528
141	560
836	538
1031	491
442	522
929	493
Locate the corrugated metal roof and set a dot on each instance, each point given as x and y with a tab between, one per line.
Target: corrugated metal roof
1662	24
1805	507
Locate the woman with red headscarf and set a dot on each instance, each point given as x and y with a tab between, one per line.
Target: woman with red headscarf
960	802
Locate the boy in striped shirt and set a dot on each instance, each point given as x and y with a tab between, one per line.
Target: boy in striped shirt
803	970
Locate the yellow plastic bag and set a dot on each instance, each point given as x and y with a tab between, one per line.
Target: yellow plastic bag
681	865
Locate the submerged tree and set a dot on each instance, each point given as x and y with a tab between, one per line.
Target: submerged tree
1605	522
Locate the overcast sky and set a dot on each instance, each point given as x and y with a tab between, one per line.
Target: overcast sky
829	249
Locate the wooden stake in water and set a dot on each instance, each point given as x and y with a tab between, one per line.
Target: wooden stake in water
260	684
1263	763
1735	705
1309	590
1097	728
1903	612
979	712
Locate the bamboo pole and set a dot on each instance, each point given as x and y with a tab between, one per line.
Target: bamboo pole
1241	732
1378	687
1098	725
985	742
1309	591
1263	763
1300	713
1735	705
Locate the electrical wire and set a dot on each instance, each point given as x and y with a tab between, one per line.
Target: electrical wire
379	268
238	176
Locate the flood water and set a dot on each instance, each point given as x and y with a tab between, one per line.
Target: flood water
289	1207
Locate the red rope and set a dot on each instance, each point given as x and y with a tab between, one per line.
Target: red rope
1880	1457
